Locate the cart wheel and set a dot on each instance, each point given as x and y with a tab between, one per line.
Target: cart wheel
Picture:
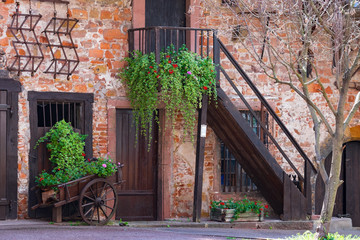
98	201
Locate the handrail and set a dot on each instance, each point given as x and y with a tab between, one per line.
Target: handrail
157	37
262	125
265	103
153	39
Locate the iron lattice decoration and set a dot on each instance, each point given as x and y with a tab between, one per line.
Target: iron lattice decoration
28	53
64	56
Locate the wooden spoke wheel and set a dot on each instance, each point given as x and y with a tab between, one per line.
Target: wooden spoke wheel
98	201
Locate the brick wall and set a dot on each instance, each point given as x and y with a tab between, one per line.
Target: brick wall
101	37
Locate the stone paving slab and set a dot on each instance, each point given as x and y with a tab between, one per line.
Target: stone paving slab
174	229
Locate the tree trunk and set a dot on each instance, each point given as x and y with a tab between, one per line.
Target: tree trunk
331	187
333	182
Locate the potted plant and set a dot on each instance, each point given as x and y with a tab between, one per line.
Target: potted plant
242	210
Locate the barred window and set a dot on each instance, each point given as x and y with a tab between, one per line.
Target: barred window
233	176
50	112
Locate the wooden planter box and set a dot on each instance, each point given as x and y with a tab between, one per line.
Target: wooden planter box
226	215
66	192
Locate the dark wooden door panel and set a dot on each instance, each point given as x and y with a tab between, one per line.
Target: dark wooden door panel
3	155
165	13
320	191
137	196
9	89
352	172
348	196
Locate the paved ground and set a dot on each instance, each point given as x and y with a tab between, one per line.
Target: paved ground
42	230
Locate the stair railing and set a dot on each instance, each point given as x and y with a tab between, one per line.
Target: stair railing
303	179
205	43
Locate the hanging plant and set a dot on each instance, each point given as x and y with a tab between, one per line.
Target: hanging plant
179	81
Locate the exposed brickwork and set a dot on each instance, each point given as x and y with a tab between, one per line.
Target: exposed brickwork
100	27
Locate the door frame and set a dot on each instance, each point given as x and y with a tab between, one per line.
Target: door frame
165	143
13	88
33	98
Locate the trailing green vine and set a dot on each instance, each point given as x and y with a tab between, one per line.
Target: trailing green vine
179	81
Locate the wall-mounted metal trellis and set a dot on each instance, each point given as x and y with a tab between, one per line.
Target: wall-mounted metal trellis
64	56
28	53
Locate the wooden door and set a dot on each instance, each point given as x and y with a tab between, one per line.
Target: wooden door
8	151
352	180
165	13
3	154
9	89
137	196
347	202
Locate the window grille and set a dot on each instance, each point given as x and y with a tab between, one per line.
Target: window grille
50	112
233	176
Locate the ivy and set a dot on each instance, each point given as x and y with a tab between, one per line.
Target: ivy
179	81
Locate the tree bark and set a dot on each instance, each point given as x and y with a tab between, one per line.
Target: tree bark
333	182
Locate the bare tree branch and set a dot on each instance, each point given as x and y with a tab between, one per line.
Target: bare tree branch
353	110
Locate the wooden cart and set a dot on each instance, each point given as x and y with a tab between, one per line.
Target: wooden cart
97	198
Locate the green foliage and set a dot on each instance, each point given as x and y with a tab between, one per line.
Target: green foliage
45	179
181	78
123	223
66	147
241	206
68	158
103	167
331	236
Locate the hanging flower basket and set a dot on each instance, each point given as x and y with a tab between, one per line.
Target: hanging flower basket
182	78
